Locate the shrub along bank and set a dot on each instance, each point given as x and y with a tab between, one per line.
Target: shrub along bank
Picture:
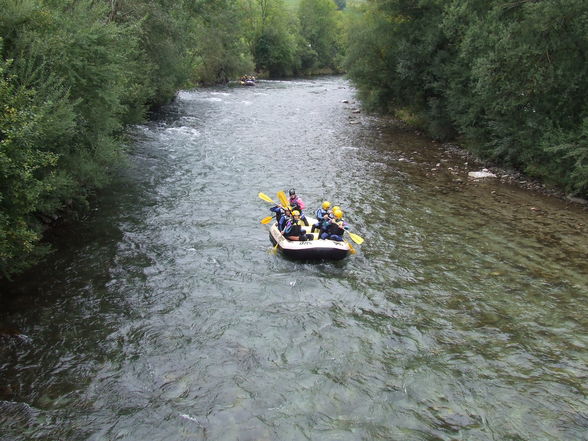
509	79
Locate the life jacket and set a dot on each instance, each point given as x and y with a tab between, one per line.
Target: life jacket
296	203
336	227
282	222
320	213
293	228
323	223
279	212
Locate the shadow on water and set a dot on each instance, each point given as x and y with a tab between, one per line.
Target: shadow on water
164	315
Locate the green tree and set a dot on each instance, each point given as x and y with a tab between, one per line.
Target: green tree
275	52
320	26
520	69
26	172
506	76
397	55
271	36
220	50
68	72
161	34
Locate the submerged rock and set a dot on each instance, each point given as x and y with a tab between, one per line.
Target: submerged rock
481	174
577	200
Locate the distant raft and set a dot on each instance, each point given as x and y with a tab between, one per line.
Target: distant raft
247	80
318	249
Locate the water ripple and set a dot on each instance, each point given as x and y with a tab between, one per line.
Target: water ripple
462	316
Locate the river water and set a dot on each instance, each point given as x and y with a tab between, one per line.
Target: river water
164	315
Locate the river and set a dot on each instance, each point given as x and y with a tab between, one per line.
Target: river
165	316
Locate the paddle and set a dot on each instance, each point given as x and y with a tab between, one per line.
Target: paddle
274	249
283	199
351	249
355	238
267	220
266	198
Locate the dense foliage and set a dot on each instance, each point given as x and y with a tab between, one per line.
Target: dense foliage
509	77
304	41
73	73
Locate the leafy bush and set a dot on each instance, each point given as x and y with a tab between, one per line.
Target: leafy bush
508	76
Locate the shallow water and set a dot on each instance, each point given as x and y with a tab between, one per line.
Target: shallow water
164	315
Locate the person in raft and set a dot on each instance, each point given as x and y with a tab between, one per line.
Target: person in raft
279	212
297	204
336	228
323	216
293	229
283	214
286	216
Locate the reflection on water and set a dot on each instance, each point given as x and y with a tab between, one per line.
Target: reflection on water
165	316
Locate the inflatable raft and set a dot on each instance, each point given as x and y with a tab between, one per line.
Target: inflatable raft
317	249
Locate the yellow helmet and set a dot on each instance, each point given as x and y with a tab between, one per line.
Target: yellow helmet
338	213
326	205
335	208
296	213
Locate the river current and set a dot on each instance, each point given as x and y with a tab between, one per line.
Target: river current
165	316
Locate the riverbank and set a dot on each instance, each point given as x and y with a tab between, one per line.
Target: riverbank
511	176
472	163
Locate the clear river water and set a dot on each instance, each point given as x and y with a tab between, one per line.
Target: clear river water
164	315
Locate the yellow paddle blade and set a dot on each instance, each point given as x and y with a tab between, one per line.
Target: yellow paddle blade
266	220
283	199
351	249
265	197
275	249
355	238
